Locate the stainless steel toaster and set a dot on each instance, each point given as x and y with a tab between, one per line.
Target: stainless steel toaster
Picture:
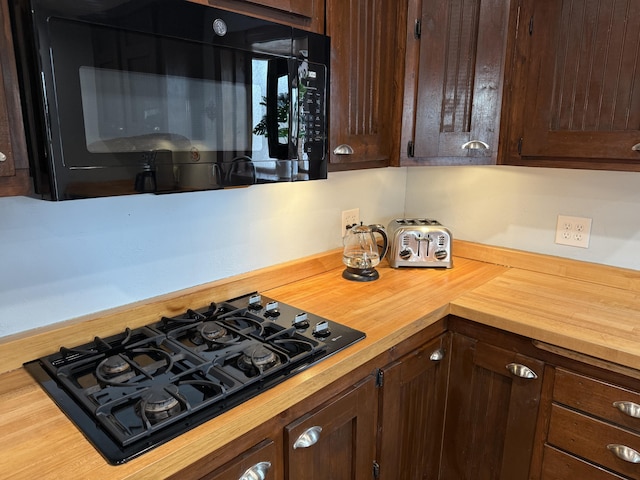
418	242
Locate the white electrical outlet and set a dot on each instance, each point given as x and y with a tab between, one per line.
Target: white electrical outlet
573	231
349	219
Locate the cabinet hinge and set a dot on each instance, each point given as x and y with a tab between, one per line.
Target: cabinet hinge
520	140
379	378
410	149
417	29
376	470
531	26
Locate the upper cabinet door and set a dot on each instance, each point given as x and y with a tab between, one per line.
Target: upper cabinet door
363	72
577	63
459	46
14	168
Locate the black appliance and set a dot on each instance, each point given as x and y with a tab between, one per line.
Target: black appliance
133	391
139	96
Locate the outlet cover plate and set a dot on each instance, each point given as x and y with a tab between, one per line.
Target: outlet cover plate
349	219
573	231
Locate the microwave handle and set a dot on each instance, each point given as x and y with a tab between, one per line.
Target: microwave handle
277	68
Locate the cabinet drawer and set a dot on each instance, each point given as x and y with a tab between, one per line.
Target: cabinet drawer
596	398
588	438
558	465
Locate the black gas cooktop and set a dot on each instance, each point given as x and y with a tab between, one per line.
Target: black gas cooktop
133	391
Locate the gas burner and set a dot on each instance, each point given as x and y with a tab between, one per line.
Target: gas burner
149	361
114	365
159	403
257	359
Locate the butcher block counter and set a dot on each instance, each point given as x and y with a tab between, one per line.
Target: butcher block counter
577	308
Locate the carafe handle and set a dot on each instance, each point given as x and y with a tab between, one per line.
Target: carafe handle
385	240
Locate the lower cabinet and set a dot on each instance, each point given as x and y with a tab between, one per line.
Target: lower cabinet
337	440
412	405
492	409
260	462
594	428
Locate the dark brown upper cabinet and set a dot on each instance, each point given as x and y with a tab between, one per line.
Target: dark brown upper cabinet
453	81
365	72
14	165
304	14
574	98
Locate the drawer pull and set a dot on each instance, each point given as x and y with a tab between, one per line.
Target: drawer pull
636	147
625	453
521	371
257	472
343	149
628	408
475	145
437	355
308	438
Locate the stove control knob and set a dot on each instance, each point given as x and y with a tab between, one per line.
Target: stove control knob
255	302
271	310
301	321
321	329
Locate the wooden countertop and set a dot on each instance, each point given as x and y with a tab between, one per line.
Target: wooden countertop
590	309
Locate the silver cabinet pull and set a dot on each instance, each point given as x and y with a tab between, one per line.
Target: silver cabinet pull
628	408
3	157
625	453
437	355
521	371
475	145
343	149
257	472
636	147
308	438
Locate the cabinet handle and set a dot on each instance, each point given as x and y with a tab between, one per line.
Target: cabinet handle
257	472
437	355
521	371
3	157
308	438
475	145
628	408
343	149
625	453
636	147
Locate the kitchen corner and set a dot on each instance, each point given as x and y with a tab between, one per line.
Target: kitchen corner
498	287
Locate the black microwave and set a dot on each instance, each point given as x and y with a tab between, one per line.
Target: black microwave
160	96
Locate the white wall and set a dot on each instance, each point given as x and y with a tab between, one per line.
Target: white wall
63	260
517	207
66	259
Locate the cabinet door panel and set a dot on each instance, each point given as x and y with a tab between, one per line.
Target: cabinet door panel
362	73
491	413
265	452
14	168
344	449
583	85
459	90
412	413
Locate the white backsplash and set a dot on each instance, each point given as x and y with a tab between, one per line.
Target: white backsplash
67	259
517	207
